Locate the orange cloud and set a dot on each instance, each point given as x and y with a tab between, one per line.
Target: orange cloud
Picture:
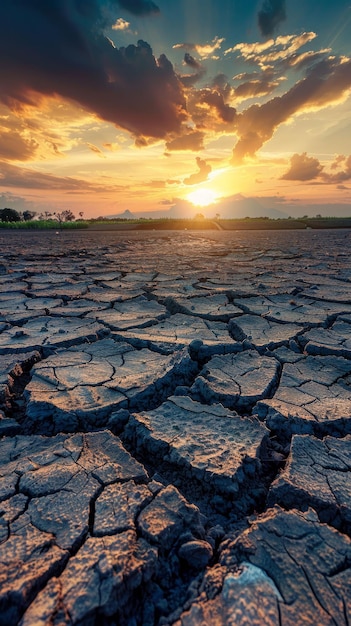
303	168
12	176
328	82
273	50
201	175
188	141
205	51
15	147
96	150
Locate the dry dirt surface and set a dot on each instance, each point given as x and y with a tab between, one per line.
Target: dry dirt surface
175	428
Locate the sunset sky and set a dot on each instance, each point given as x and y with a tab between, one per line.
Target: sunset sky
109	105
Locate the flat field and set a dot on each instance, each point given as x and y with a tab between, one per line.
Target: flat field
175	427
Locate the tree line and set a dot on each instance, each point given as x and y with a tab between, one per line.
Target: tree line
11	215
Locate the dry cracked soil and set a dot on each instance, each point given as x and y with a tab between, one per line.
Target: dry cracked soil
175	428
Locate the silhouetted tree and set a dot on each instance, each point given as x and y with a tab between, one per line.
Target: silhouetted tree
65	216
9	215
28	215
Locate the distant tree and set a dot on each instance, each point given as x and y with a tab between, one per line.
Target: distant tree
199	216
9	215
28	215
318	216
65	216
81	213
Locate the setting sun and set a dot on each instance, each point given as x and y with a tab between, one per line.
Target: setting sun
202	197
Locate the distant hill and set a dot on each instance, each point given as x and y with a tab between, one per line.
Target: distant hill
237	206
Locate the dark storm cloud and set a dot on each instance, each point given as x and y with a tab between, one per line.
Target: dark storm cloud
59	48
139	7
271	15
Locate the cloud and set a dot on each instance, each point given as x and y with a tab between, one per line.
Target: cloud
251	50
255	88
16	202
121	24
338	159
271	16
283	49
210	108
155	184
201	175
26	178
193	140
327	83
205	51
190	79
95	149
139	7
59	48
215	100
112	147
191	62
303	167
342	175
15	147
305	59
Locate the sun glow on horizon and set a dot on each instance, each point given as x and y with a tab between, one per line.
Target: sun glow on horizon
202	197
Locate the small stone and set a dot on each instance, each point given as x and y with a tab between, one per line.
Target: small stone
197	554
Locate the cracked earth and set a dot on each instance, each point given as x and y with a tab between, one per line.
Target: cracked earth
175	428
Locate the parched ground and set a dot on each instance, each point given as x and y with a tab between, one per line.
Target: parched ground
175	428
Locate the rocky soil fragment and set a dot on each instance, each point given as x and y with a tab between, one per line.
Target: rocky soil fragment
78	308
102	582
180	331
137	313
291	309
215	307
333	291
47	486
237	381
66	289
286	568
334	340
47	333
261	333
318	474
20	310
314	396
83	530
77	388
213	450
